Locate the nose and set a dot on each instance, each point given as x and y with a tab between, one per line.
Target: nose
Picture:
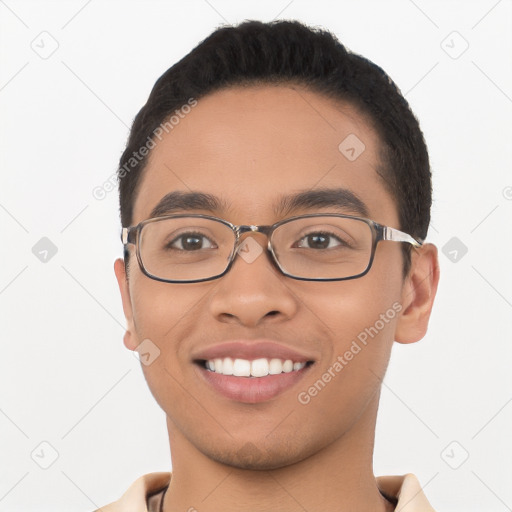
254	291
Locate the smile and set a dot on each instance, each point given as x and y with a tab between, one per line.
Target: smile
251	371
257	368
251	381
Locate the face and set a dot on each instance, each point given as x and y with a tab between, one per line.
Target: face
250	147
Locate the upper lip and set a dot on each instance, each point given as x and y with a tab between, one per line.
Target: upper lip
252	349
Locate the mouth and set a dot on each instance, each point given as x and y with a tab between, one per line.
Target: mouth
257	368
251	372
254	381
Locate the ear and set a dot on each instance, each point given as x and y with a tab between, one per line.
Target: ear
130	337
418	293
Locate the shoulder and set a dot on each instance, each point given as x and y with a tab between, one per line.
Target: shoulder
407	490
135	498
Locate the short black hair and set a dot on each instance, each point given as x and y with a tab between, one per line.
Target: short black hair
289	52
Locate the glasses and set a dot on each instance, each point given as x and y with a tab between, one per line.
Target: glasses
316	247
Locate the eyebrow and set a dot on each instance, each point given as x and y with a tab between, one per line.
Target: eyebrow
340	199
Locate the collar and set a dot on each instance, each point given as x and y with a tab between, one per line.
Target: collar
405	488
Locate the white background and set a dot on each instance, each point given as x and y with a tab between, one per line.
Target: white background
65	376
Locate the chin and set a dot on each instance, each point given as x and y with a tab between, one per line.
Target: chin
255	457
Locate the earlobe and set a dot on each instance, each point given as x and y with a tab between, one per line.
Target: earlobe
130	338
418	294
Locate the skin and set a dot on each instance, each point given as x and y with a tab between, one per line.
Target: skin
250	146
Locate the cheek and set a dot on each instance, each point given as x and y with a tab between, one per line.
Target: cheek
166	314
349	308
360	316
158	307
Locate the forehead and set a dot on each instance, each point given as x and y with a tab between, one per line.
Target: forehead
251	146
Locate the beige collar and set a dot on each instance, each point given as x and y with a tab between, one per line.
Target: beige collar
406	488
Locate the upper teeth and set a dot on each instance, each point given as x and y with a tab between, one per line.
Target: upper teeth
256	368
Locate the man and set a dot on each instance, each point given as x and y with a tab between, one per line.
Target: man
275	194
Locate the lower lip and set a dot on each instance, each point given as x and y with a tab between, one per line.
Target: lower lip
252	390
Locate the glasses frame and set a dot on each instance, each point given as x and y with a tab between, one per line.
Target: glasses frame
132	235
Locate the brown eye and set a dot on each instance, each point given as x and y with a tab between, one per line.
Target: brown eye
191	242
321	240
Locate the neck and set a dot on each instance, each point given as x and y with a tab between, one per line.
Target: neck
337	477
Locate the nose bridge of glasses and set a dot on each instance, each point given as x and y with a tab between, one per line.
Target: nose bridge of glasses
249	252
252	228
241	230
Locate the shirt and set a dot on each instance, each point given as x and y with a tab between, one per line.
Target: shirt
146	493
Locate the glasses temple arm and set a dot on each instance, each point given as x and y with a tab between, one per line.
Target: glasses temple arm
126	235
399	236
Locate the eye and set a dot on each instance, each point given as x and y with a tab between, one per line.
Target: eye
191	242
320	240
